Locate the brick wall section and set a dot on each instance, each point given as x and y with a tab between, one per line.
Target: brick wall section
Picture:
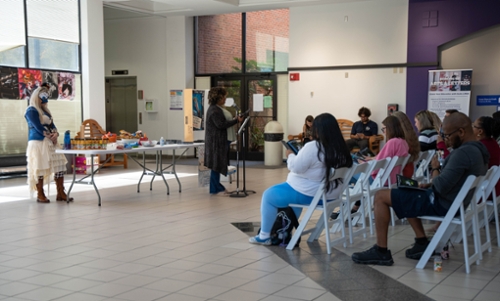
219	39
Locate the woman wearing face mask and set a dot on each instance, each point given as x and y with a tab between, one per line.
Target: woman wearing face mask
43	162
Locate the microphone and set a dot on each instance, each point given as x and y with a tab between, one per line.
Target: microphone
236	107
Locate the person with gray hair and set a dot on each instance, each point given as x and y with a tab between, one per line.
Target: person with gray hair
43	162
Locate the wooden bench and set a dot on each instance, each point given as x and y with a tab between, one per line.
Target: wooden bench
92	130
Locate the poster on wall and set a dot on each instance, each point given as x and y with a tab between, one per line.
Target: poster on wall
66	86
50	78
29	80
176	99
198	110
449	89
9	87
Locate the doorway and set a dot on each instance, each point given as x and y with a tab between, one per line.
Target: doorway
255	93
121	104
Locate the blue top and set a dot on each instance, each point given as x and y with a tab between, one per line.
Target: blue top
35	127
368	129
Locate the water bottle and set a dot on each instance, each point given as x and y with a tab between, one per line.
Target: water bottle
162	141
67	140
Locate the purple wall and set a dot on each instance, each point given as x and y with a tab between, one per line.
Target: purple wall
455	19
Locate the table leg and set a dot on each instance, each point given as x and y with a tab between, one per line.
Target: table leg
175	172
161	173
92	177
143	171
74	178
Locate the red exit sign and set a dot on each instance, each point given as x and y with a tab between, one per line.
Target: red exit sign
294	76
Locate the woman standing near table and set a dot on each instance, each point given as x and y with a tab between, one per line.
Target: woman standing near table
43	162
216	140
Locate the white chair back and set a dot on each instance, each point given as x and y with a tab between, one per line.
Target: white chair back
326	207
421	173
449	222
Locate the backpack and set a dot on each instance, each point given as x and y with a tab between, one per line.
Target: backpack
281	232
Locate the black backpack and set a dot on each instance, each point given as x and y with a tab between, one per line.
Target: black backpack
281	232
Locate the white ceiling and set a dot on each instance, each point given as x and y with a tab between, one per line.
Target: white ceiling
124	9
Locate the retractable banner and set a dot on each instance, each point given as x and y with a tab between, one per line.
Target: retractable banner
449	89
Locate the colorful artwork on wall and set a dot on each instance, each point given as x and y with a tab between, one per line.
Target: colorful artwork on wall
9	87
50	78
66	84
29	80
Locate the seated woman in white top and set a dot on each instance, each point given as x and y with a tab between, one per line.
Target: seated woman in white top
307	169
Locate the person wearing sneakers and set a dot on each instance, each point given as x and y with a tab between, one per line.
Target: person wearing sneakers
312	164
42	143
469	157
216	140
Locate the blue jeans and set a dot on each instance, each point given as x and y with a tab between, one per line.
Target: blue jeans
215	185
279	196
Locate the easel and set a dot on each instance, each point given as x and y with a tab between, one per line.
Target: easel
243	193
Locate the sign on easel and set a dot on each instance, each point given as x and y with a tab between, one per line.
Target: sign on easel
449	89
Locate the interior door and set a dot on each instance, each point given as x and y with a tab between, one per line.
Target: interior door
121	104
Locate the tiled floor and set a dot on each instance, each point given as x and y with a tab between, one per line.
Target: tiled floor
183	247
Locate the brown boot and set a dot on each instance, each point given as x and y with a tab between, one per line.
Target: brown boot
61	195
41	198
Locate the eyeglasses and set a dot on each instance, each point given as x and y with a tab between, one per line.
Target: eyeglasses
383	129
447	136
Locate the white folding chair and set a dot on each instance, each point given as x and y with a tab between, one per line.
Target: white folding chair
449	223
482	193
492	206
382	166
421	173
351	195
399	162
326	207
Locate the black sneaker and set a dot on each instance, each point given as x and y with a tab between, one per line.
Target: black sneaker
373	256
417	250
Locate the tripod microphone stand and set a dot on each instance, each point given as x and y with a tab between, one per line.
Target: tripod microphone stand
243	193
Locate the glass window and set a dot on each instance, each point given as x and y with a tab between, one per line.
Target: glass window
267	40
49	54
13	57
219	44
53	20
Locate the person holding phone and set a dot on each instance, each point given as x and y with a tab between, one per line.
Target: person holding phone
308	168
362	130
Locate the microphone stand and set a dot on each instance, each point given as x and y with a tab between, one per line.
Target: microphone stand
243	193
238	193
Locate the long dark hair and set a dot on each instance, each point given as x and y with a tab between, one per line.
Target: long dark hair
393	128
331	143
490	126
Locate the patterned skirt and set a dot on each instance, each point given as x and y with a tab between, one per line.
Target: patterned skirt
43	161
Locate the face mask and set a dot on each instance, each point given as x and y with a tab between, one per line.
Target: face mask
44	96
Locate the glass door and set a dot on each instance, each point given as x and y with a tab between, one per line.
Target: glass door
256	94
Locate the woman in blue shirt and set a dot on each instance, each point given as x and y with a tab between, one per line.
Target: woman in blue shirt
43	162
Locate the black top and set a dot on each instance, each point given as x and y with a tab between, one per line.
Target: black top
368	129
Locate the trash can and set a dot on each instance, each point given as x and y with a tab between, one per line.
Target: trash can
273	149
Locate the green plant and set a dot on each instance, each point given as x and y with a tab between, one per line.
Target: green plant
257	138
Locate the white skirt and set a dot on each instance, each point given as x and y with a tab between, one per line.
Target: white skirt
43	161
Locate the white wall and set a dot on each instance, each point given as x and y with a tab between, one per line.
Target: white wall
470	54
376	33
159	52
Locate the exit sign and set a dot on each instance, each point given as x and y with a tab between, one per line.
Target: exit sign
294	76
